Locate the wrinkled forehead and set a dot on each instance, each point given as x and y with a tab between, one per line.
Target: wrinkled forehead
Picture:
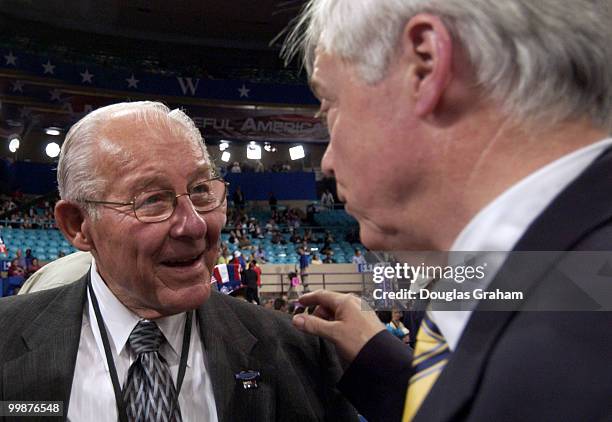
137	135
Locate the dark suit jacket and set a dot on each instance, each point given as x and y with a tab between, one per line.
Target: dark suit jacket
40	334
515	365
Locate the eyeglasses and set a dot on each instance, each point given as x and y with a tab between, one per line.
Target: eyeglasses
158	205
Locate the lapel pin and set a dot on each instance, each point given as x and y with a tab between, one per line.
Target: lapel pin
248	378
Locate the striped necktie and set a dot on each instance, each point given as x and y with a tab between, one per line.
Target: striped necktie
149	391
430	356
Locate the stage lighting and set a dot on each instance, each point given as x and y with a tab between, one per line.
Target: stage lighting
297	152
225	156
223	146
253	151
269	148
53	131
13	143
52	149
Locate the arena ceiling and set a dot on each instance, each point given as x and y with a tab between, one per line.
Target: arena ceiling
249	24
245	27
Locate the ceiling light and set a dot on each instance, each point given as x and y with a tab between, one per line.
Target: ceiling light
225	156
223	146
297	152
253	151
13	144
52	149
53	131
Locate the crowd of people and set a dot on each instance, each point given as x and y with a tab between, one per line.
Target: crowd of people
256	166
20	211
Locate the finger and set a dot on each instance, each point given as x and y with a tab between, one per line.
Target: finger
314	325
323	313
325	298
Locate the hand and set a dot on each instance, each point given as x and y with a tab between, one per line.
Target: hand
344	319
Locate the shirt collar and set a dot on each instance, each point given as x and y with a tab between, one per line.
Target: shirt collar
120	321
501	224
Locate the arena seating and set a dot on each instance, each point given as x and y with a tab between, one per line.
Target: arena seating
338	223
46	244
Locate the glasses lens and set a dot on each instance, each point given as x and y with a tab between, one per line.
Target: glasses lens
207	195
154	206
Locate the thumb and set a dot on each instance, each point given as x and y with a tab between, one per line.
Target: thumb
314	325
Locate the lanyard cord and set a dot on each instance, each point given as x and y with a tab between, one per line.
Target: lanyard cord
111	364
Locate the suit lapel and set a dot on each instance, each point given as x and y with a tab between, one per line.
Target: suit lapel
228	344
562	224
46	368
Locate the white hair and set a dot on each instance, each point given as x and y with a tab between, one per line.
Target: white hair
78	172
542	60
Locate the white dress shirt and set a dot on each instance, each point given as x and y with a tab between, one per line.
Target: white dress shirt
500	225
92	397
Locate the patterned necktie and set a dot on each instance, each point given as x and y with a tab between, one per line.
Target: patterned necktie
149	392
430	356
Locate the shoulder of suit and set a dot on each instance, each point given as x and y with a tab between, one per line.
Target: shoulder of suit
29	305
264	324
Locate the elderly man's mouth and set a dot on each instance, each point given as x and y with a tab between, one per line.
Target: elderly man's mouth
186	261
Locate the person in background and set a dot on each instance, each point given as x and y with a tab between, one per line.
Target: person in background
304	263
235	168
260	255
358	258
280	304
21	259
238	198
224	255
327	200
268	304
239	260
257	269
34	266
272	202
249	279
28	258
329	257
15	269
396	327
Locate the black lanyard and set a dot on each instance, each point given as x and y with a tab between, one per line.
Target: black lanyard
111	364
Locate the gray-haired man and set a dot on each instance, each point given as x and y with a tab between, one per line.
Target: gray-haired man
476	125
141	337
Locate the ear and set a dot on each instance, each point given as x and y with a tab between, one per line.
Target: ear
430	48
73	223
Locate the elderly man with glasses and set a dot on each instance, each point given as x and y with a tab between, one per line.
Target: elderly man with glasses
142	336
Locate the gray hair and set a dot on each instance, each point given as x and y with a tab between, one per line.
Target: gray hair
542	60
78	175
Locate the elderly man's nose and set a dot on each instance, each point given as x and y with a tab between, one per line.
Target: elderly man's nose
186	221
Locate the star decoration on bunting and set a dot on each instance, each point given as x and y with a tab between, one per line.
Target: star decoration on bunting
244	91
55	95
24	112
11	59
132	82
86	76
17	86
49	68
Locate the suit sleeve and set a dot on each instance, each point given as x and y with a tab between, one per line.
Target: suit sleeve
376	381
337	408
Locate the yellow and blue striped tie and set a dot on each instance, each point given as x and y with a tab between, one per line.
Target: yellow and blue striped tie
430	356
